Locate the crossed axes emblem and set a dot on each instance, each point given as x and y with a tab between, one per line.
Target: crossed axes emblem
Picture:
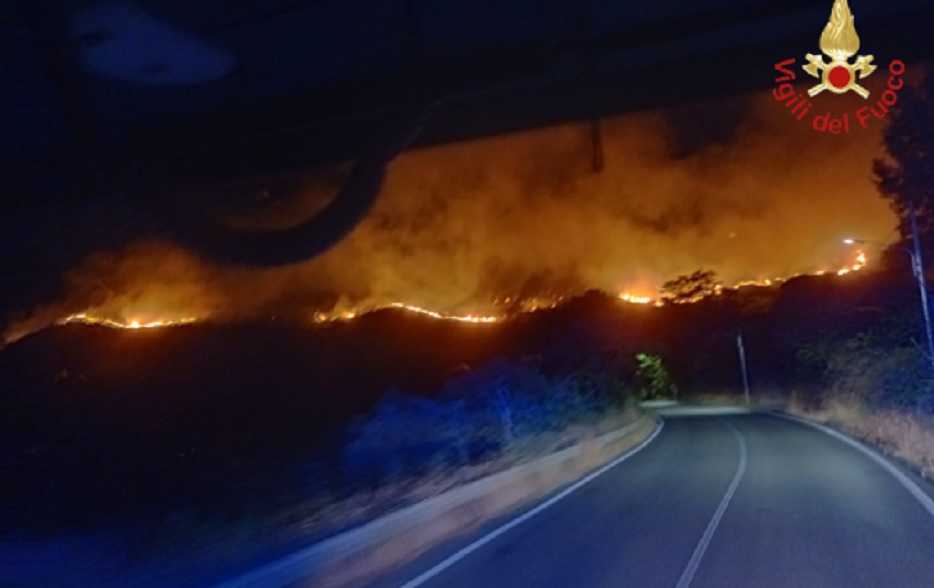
838	75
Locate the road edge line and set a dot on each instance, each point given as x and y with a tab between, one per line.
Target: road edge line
477	544
923	499
347	558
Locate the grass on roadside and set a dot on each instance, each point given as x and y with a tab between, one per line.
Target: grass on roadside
909	437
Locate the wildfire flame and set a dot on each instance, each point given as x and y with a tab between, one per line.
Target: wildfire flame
321	317
839	39
643	300
860	264
87	318
627	297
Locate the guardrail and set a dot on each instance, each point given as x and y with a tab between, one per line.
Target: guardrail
398	536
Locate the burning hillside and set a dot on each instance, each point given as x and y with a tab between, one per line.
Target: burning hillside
130	323
480	230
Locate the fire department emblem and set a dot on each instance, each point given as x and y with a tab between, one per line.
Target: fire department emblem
839	42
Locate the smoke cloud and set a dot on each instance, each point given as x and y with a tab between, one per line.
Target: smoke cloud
738	186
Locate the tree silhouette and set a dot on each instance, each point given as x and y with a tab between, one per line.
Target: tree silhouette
690	288
905	176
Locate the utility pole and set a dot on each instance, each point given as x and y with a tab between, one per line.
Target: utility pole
742	363
919	276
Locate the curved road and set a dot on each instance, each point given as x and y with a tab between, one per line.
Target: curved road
716	499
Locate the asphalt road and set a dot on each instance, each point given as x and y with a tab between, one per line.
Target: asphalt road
719	499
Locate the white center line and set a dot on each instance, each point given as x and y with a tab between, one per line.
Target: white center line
687	576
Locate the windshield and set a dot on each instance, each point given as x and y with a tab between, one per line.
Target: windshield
525	292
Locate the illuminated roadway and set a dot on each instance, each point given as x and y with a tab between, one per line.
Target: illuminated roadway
716	499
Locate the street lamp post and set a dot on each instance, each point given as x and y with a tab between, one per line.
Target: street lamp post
918	269
742	364
919	275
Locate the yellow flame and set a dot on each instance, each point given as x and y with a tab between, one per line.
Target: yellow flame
632	298
839	39
86	319
448	317
860	264
323	317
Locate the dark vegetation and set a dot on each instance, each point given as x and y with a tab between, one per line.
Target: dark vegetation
477	415
211	424
888	364
876	355
217	423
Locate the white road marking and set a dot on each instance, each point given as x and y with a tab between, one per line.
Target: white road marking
904	480
687	576
464	552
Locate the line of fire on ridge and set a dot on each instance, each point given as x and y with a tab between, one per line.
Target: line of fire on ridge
322	317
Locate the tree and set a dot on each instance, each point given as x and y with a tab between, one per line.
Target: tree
690	288
905	176
653	379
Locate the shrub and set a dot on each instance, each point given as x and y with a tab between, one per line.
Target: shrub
478	413
653	379
403	436
897	377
